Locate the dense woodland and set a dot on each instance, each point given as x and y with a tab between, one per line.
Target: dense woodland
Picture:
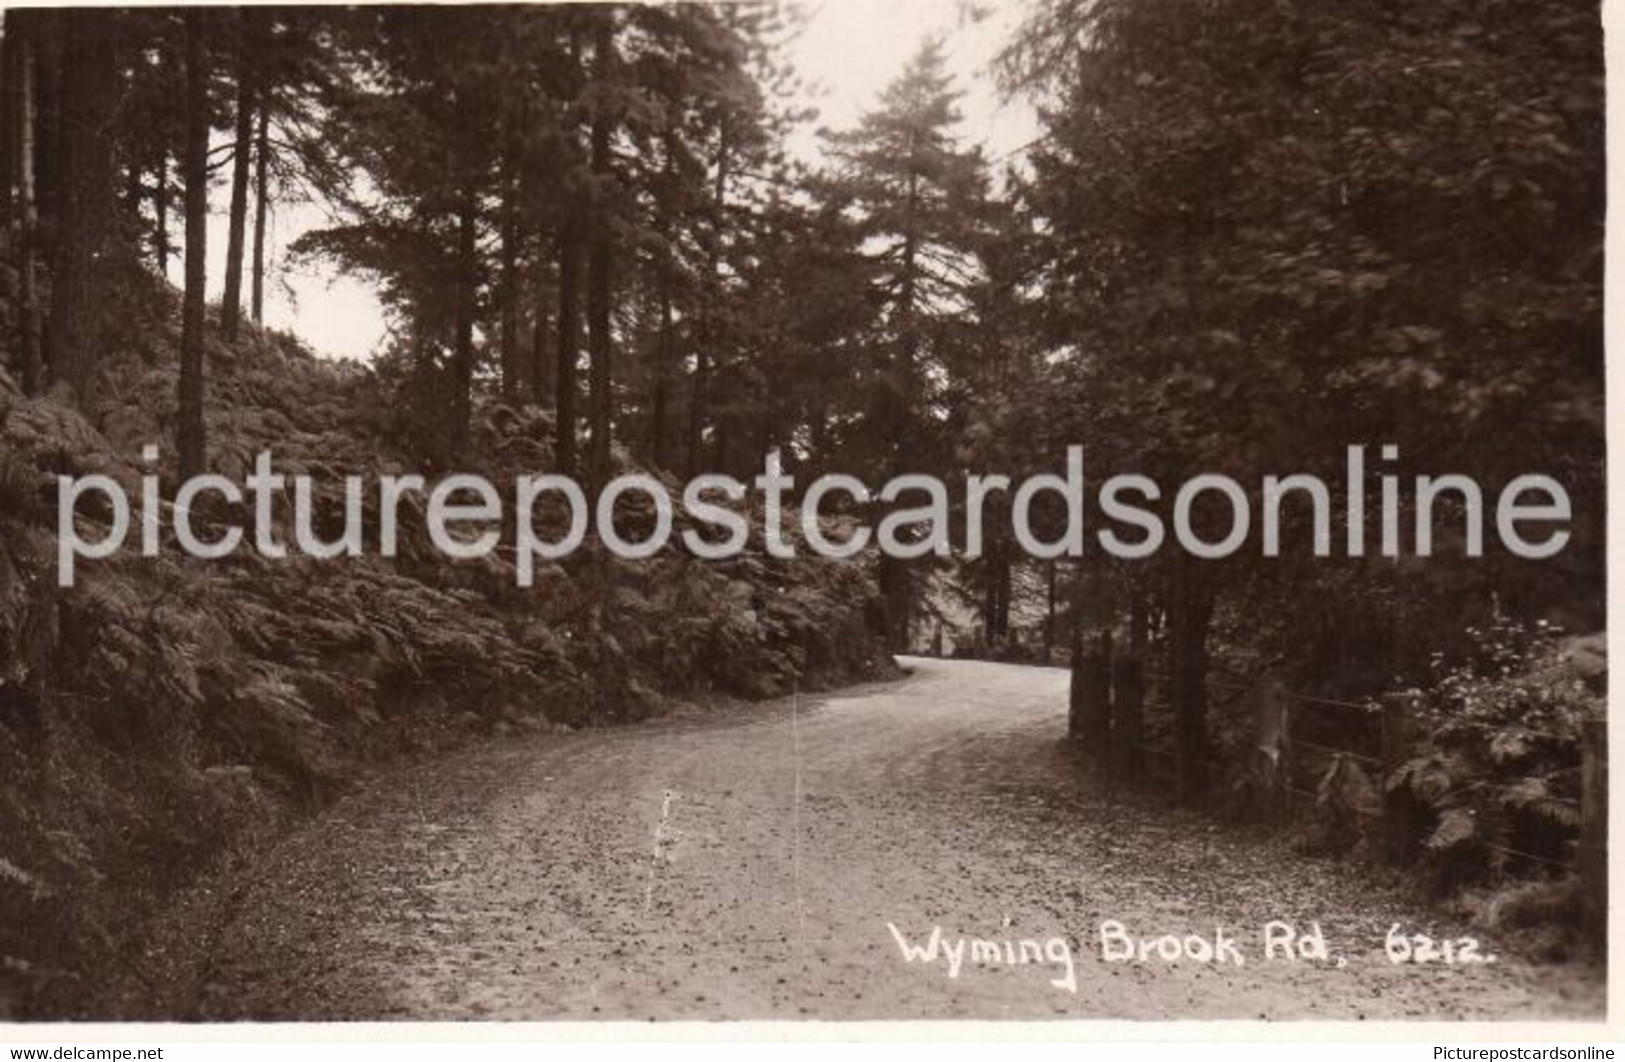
1250	234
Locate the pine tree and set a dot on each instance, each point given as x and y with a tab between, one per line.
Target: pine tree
242	157
191	441
262	203
919	198
86	202
23	29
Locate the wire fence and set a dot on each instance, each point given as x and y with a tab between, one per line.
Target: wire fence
1372	714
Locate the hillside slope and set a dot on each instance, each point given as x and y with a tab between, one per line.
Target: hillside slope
165	711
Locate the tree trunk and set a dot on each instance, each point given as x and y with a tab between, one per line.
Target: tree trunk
699	410
1094	674
896	588
1003	587
894	403
569	345
160	166
160	203
722	448
541	370
132	68
1049	609
1128	713
1075	696
1190	613
87	200
45	28
462	364
996	591
513	365
8	117
769	416
601	350
191	444
29	308
660	402
231	300
818	439
660	413
599	340
134	191
262	199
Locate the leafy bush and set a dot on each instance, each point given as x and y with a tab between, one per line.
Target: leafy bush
1494	784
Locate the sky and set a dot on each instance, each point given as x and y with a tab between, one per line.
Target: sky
854	48
848	52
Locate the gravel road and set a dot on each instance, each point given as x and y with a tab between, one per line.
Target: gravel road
773	861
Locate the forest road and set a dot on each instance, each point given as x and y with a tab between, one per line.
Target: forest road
771	862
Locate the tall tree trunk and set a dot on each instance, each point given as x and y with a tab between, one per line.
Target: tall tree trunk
160	206
191	443
1190	613
47	35
1049	609
600	343
566	386
87	200
1092	675
8	117
990	604
660	401
699	410
262	200
231	301
541	369
134	192
699	407
1001	581
600	349
1128	692
135	162
462	364
819	442
895	402
513	365
27	122
722	449
896	587
996	591
770	419
660	411
160	191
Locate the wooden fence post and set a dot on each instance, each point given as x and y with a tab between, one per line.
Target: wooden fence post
1094	681
1593	855
1396	744
1286	770
1074	714
1272	770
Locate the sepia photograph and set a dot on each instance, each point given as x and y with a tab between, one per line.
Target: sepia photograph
1082	512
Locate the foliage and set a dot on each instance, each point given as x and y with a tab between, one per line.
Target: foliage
1497	777
161	711
1271	231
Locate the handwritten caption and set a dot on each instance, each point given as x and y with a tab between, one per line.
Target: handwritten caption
1277	941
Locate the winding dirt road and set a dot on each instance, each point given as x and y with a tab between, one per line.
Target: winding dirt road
771	862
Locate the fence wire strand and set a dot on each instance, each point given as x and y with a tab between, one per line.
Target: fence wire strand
1370	712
